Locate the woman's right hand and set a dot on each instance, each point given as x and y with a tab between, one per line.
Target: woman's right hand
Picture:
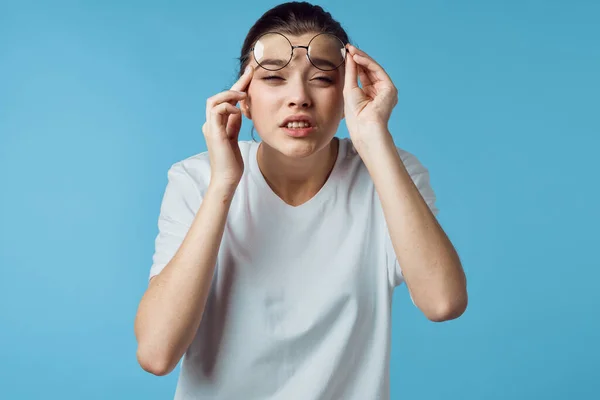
221	131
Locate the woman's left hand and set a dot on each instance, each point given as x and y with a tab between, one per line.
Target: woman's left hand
368	109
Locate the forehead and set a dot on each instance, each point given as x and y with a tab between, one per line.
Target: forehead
300	40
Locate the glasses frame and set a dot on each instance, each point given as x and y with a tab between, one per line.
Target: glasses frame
292	48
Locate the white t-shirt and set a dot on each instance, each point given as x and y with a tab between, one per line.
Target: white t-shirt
301	296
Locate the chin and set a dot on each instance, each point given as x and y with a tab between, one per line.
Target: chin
297	147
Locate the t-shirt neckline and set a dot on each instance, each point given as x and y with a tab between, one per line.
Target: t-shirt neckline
277	201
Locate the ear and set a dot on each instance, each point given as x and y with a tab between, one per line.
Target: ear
245	107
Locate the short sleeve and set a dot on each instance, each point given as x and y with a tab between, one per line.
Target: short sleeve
420	177
179	206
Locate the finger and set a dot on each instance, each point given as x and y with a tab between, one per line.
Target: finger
355	50
350	80
363	76
242	84
244	81
228	96
234	123
375	71
219	115
225	96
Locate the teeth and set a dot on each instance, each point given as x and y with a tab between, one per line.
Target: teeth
297	124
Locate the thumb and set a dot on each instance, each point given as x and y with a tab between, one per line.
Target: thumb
351	78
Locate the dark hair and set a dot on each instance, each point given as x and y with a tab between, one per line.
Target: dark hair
294	18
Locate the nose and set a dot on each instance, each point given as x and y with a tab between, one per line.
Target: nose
299	95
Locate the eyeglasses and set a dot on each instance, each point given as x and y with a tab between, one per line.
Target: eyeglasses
273	51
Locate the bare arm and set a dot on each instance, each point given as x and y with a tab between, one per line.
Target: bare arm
170	311
430	264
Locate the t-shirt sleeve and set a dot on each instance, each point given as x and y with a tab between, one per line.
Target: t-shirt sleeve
420	177
180	204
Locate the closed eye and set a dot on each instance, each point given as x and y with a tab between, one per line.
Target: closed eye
272	77
325	79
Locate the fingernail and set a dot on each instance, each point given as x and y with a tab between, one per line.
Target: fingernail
248	69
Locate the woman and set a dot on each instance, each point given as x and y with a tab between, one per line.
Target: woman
276	261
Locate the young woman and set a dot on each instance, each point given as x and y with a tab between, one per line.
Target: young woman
276	261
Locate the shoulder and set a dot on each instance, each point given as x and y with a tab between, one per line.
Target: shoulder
195	170
416	170
411	162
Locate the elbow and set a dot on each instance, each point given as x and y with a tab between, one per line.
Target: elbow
153	363
152	355
448	309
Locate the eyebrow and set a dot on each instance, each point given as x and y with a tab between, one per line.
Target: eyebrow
321	61
273	61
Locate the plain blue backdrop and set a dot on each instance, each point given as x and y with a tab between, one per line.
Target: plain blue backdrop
500	100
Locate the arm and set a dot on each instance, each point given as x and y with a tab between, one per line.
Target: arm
170	311
430	264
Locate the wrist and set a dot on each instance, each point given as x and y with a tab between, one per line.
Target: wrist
373	139
222	190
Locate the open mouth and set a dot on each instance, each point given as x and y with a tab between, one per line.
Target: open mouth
297	125
298	129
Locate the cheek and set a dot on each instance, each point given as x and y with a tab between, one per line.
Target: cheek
335	103
262	101
259	107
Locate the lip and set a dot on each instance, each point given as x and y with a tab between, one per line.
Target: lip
298	132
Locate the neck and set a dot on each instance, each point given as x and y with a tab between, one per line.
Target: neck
297	180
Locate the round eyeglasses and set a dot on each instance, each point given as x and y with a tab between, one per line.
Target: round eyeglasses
273	51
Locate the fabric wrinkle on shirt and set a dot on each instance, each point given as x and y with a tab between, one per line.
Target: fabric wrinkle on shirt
300	302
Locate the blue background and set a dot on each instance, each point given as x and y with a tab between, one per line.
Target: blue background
500	100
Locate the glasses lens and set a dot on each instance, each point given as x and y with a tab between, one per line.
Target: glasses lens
272	51
326	52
